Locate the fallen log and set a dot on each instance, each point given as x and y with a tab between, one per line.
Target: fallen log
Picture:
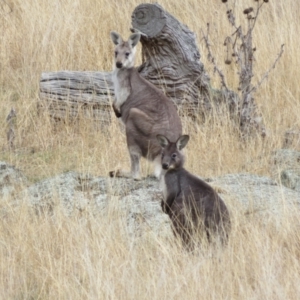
170	60
67	93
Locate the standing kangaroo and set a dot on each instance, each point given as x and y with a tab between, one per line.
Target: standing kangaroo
191	203
143	108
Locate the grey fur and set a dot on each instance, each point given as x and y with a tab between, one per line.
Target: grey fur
191	203
143	108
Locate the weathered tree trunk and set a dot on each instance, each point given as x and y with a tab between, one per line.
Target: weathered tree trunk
171	61
66	93
171	58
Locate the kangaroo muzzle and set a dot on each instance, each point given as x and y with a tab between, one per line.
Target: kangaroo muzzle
119	65
165	166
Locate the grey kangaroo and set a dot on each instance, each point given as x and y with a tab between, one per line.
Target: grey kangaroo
191	203
143	108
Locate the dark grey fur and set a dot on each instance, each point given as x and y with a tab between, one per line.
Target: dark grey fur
192	205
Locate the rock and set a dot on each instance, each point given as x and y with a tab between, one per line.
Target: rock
286	168
75	193
285	159
255	194
138	202
291	179
11	180
292	138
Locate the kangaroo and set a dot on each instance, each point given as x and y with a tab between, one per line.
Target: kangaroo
142	107
191	203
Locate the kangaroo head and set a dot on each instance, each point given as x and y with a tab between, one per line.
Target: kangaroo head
124	50
171	156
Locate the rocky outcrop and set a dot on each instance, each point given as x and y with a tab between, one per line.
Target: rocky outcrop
286	168
253	194
139	201
75	193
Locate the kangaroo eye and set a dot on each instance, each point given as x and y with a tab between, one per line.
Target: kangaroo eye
116	53
127	54
174	155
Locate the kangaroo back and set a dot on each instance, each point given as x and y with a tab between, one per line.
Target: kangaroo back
191	203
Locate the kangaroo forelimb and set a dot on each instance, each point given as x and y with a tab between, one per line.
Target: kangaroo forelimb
117	112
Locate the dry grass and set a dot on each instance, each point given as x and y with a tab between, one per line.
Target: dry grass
88	258
68	258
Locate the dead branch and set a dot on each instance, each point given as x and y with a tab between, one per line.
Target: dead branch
254	89
211	58
241	46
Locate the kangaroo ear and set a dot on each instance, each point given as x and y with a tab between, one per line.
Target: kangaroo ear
116	38
182	141
134	39
163	141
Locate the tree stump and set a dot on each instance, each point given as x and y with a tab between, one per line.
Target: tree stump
171	59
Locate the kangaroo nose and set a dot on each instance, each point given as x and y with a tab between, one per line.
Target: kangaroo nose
165	166
119	65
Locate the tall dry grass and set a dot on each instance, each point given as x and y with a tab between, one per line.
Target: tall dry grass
68	258
72	258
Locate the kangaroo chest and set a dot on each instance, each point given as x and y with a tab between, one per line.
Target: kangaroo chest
170	185
122	87
163	187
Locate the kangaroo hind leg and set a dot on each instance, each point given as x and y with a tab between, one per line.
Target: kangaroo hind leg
135	157
134	173
138	131
139	122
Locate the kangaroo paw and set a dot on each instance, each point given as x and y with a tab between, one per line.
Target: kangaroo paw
137	178
152	176
120	173
112	174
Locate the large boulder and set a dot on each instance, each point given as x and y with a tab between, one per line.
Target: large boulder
73	193
257	195
285	168
138	202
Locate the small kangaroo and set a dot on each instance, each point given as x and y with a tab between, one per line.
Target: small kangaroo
190	202
142	107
